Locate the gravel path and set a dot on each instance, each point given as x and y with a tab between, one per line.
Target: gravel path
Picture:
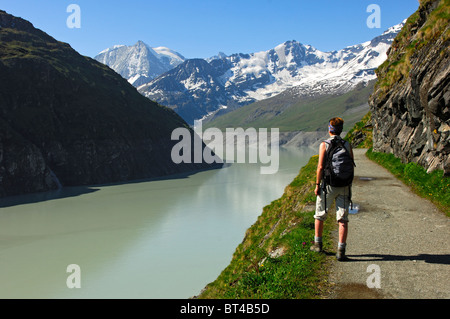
397	240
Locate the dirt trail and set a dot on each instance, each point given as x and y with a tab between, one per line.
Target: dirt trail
399	232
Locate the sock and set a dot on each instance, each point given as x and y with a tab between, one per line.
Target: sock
317	239
342	245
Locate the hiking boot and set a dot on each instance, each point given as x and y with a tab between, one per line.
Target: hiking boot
317	247
340	255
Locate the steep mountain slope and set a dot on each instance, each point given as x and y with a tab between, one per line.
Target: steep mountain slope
66	119
240	79
192	89
410	105
140	63
289	112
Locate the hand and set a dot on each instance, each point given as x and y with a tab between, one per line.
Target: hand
317	190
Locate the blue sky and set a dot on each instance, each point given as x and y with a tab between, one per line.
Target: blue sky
202	28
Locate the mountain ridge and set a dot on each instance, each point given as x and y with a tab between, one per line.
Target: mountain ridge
240	79
290	112
68	120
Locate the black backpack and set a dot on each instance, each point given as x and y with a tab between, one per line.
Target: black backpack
339	164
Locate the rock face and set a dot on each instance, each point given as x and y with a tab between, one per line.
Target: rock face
68	120
410	104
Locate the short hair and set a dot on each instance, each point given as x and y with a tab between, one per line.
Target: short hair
337	121
336	125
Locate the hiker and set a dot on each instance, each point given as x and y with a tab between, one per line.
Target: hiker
335	167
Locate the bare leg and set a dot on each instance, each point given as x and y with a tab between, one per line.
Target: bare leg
343	231
318	228
317	247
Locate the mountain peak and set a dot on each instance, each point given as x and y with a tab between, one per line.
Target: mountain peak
201	87
219	56
140	63
292	42
141	44
9	21
395	29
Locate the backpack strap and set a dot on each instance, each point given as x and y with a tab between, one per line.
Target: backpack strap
345	143
330	145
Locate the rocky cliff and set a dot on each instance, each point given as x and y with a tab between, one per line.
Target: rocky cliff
410	104
68	120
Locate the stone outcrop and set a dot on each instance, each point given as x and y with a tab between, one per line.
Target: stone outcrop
410	105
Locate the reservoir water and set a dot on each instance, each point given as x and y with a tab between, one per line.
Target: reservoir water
154	239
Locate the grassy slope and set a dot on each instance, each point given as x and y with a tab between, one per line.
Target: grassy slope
360	136
75	83
395	70
74	116
306	114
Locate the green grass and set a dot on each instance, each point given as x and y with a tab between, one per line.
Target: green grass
409	42
288	224
432	186
361	135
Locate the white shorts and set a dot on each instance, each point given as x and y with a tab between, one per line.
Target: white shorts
338	194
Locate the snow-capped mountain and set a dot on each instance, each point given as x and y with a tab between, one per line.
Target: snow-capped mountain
194	89
140	63
199	88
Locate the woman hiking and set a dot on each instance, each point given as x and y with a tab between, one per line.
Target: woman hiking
333	184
